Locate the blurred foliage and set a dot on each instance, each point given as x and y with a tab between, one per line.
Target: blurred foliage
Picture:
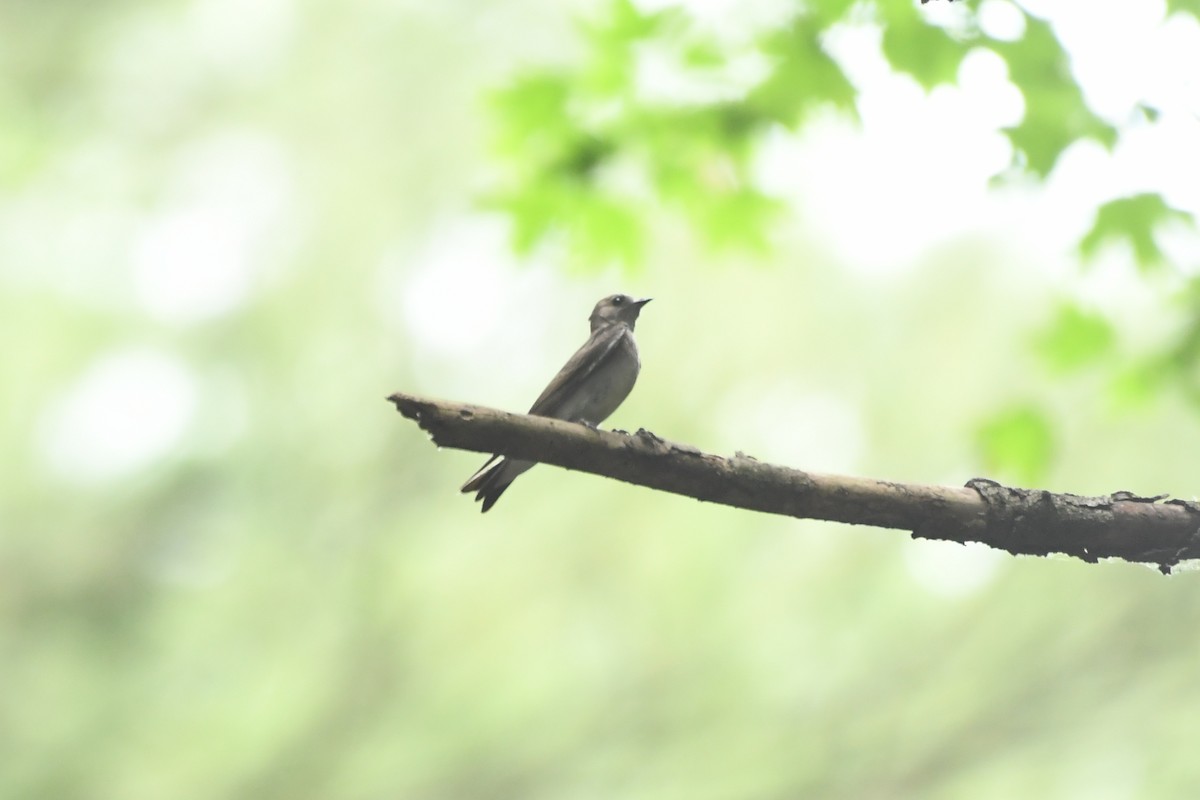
1133	220
1180	362
1018	442
561	128
1055	113
582	149
228	569
1076	338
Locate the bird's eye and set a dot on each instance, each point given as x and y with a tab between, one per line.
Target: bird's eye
618	300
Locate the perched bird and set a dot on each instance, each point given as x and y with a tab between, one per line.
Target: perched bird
593	383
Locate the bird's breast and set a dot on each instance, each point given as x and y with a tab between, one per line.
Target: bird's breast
607	386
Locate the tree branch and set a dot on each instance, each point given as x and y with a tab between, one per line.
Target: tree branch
1021	521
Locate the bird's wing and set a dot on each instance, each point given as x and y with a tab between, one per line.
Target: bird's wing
595	351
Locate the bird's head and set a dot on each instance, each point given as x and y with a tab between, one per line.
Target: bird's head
616	308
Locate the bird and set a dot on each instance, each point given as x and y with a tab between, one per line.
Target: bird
587	389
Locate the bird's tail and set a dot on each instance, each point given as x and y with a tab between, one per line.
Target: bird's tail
493	478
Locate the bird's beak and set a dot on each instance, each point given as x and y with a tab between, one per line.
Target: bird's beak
642	302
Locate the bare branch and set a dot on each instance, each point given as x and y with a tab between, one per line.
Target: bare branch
1021	521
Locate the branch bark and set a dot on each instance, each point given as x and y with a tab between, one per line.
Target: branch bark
1021	521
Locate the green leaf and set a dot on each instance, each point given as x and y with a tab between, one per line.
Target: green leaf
1190	6
531	115
533	210
1055	113
581	156
621	23
703	55
1151	113
612	35
830	11
597	228
1134	220
1075	339
803	77
739	218
605	230
1017	442
1137	386
927	52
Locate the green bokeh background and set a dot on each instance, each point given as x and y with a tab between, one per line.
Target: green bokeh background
293	601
